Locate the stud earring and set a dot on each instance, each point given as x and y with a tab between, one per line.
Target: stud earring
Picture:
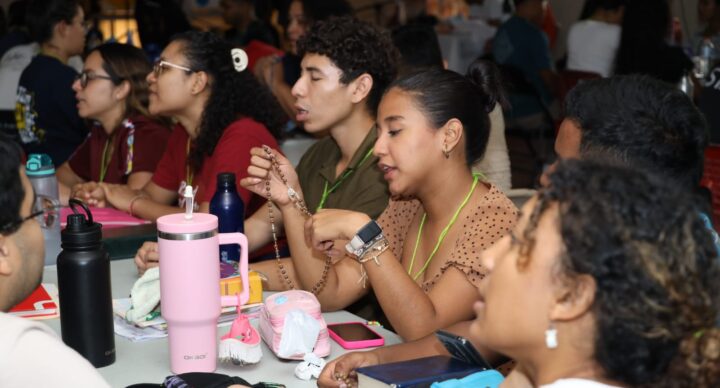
446	152
551	337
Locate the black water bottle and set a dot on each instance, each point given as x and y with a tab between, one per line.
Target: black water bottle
83	271
229	208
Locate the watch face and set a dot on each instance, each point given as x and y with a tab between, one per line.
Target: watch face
369	231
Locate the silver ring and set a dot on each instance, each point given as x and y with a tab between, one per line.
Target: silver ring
187	236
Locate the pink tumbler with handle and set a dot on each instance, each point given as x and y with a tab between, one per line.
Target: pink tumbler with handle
190	287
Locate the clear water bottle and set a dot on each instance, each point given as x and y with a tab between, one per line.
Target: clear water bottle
41	172
229	208
83	271
704	59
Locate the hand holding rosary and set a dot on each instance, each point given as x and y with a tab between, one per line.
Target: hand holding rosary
302	207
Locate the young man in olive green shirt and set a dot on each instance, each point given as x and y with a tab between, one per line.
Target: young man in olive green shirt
338	92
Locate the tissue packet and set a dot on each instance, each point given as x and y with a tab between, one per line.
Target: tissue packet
291	324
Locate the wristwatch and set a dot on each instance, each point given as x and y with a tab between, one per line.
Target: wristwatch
364	238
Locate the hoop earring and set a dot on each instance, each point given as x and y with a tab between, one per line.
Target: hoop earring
551	337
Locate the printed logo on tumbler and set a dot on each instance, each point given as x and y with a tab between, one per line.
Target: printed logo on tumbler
195	357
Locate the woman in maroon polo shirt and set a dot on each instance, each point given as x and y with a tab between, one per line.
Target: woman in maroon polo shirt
125	143
222	112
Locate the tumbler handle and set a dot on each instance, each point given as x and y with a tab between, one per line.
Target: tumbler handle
240	239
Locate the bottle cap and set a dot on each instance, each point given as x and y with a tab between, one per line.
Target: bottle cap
39	165
226	178
81	232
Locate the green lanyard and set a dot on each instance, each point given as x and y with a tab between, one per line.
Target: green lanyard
105	162
442	234
345	175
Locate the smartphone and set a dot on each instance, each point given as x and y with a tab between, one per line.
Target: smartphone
461	348
354	335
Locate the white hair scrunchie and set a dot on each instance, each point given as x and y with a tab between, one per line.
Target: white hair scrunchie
239	58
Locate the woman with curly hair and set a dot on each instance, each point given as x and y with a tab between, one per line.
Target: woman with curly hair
222	112
602	283
125	142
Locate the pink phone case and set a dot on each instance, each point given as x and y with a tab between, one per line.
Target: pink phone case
369	343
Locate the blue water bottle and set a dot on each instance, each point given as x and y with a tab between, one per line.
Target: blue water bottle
227	205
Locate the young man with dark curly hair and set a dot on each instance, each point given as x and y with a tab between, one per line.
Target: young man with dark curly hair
26	346
346	66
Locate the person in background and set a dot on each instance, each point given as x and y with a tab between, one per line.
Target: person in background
520	44
638	121
419	48
430	131
245	25
593	42
46	112
125	143
30	352
157	22
279	73
17	28
709	18
222	112
643	43
491	11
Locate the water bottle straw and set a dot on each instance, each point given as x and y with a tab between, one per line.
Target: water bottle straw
188	202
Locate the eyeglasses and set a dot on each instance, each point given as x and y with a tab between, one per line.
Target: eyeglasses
85	76
160	67
45	211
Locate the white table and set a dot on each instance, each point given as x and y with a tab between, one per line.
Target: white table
148	362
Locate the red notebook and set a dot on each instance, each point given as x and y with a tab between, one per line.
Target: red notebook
41	304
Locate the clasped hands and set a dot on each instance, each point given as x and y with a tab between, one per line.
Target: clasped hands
101	194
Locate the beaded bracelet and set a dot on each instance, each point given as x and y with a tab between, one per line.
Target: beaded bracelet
372	253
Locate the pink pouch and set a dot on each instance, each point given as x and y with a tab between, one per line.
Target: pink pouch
272	319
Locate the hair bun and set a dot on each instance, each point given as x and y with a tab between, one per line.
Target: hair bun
486	77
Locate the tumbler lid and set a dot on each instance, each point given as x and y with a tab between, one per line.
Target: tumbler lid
176	223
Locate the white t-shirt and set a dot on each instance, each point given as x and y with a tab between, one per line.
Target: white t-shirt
31	355
577	383
592	46
495	164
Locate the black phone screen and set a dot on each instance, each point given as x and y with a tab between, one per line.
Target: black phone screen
353	331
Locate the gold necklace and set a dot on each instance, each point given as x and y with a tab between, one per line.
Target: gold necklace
300	205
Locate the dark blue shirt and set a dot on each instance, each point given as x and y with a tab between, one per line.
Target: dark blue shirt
46	111
522	45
